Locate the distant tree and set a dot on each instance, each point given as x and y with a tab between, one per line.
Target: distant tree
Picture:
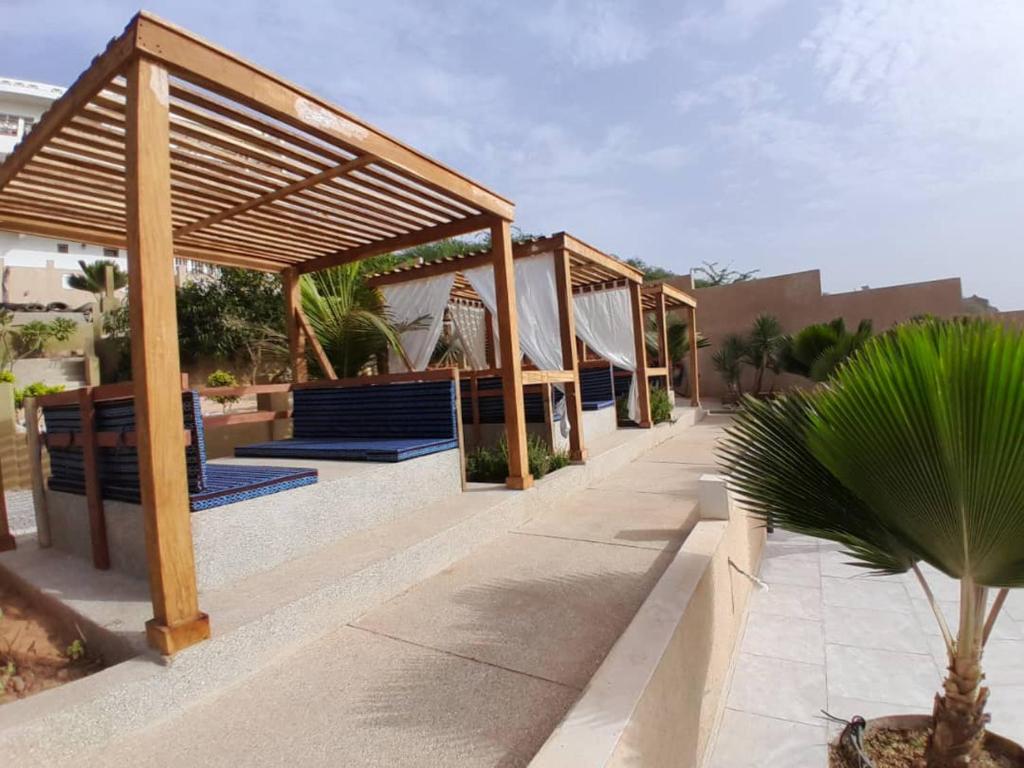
764	342
443	249
711	273
728	361
651	272
94	277
818	350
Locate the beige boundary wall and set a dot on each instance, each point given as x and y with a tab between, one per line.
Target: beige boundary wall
658	696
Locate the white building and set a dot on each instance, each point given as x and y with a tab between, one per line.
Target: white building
35	270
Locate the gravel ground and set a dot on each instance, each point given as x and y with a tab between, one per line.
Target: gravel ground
21	513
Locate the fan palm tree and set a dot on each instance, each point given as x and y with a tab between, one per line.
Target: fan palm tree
913	452
94	277
763	345
349	318
819	349
728	361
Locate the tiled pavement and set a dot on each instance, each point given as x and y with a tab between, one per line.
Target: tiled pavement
826	636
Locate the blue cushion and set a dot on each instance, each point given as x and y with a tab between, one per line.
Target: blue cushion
492	408
596	384
351	449
597	405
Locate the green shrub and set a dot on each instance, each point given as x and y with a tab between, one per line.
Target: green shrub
622	409
221	378
661	405
63	328
490	465
6	377
35	389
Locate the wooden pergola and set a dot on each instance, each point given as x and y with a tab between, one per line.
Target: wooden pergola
169	146
579	268
663	298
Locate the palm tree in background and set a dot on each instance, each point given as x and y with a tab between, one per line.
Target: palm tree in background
819	349
349	318
764	343
94	277
911	454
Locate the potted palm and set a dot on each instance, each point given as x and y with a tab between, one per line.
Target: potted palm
913	452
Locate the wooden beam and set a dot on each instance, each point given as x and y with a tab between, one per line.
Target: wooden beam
398	243
278	194
694	370
314	342
177	621
296	341
567	329
519	476
548	377
210	67
643	387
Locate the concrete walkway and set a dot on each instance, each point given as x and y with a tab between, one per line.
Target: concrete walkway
472	667
827	636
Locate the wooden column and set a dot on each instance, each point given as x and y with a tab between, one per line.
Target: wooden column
661	317
519	476
93	489
7	542
694	371
643	386
570	362
177	621
489	339
35	463
296	341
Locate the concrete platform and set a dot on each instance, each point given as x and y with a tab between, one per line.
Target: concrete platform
261	620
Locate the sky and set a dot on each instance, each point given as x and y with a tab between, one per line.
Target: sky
878	141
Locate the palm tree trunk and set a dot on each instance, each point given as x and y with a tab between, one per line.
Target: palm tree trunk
959	713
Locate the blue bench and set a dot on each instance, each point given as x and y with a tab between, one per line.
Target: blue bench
377	422
492	407
209	485
597	390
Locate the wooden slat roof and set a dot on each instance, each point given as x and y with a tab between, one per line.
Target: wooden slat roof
674	297
589	268
263	174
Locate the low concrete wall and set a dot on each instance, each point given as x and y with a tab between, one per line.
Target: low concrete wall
657	698
238	540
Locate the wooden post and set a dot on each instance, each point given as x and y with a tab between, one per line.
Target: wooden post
177	621
694	372
664	360
570	362
489	339
643	386
459	431
519	476
474	404
93	487
296	341
35	464
7	542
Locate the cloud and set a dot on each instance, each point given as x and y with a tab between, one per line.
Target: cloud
743	91
729	21
593	34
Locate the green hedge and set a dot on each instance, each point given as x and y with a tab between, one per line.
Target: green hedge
490	465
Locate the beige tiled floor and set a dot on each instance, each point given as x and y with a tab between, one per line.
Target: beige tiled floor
827	636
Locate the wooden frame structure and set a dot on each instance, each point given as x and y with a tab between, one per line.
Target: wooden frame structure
662	298
579	268
170	146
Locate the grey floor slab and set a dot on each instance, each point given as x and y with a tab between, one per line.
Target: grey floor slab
785	690
614	516
357	700
658	477
543	606
784	637
788	600
876	675
869	628
753	741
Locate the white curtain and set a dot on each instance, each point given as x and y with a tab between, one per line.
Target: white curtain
472	329
423	300
604	322
540	337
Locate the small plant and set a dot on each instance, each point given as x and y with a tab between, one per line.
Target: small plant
6	377
35	389
221	378
32	338
490	465
63	328
661	405
76	650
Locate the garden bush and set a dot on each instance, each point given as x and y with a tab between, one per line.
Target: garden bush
490	465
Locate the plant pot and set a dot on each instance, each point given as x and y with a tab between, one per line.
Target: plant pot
994	743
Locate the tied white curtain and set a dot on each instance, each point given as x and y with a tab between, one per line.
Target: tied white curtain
423	300
473	330
603	322
537	305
